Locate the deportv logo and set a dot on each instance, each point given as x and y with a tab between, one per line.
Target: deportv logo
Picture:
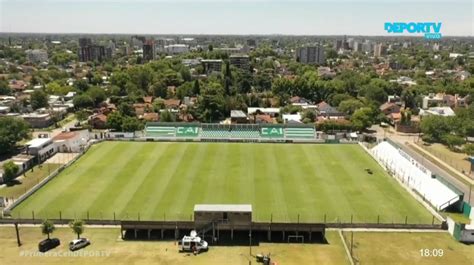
430	29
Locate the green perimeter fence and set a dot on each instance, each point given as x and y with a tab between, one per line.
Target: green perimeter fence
272	217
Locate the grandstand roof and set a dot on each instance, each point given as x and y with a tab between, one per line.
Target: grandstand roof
223	208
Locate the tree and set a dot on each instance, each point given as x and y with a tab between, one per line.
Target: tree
362	118
159	89
375	93
196	87
81	85
167	116
184	90
47	227
309	116
469	149
185	74
158	104
4	89
126	109
83	101
452	140
211	104
131	124
434	127
77	227
56	89
82	115
12	130
39	99
349	106
97	94
10	171
115	120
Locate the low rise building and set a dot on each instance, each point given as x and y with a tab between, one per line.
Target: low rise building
38	120
389	108
272	112
211	66
441	99
98	121
71	142
238	116
36	56
176	49
42	148
241	61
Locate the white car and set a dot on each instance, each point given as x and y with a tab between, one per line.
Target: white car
78	243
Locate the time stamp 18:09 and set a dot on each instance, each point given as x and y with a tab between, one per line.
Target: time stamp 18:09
435	252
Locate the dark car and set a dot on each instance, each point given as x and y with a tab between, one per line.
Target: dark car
48	244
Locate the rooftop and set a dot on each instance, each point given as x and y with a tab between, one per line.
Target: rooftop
38	142
223	208
251	110
237	114
65	135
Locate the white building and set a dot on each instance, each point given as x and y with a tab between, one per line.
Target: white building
269	111
438	111
37	56
71	142
292	118
176	48
43	148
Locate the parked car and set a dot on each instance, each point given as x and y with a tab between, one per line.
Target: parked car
78	244
48	244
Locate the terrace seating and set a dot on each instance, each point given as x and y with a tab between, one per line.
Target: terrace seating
245	132
160	131
300	132
414	175
215	132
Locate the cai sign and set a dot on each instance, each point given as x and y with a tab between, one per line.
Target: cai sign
431	30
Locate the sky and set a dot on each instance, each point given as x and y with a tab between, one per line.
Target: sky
289	17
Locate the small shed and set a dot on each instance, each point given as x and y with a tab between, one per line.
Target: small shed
239	214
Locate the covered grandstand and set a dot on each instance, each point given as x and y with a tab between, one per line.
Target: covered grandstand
415	176
207	131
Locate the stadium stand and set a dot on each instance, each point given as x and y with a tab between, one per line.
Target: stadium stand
300	132
415	175
215	131
267	132
187	131
245	132
272	132
160	131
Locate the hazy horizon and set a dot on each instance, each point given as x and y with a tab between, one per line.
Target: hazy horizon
230	17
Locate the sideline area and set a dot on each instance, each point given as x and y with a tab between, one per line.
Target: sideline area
108	248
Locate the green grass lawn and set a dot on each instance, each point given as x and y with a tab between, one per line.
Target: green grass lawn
165	180
112	250
457	160
404	248
28	180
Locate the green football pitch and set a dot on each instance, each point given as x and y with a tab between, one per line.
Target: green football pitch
283	182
